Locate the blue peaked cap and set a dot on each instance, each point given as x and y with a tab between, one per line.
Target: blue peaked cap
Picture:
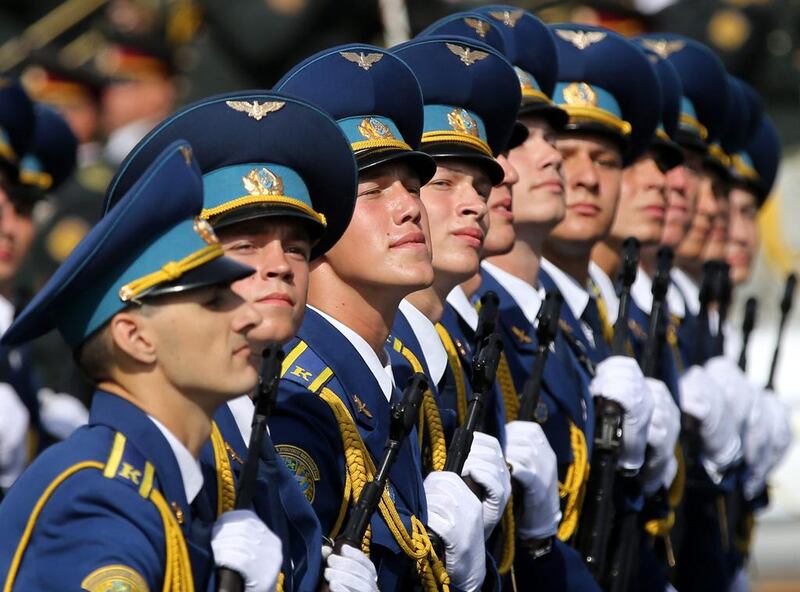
17	122
762	153
152	242
262	154
53	154
607	85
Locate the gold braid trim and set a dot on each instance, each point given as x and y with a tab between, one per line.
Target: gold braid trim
430	415
178	574
360	468
508	524
455	367
574	486
507	389
226	491
672	341
602	312
661	527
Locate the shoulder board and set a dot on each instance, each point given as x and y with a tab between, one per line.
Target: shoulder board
304	367
129	466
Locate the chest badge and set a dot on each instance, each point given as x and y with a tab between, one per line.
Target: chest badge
362	408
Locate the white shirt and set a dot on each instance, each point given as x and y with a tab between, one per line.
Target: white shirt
688	288
642	291
383	374
607	290
575	295
432	348
188	465
675	301
242	409
528	298
6	314
459	301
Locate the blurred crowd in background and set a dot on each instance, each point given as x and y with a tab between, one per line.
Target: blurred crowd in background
115	68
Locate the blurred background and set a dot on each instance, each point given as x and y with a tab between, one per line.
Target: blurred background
115	68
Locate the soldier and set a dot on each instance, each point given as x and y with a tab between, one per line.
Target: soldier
340	353
275	207
145	303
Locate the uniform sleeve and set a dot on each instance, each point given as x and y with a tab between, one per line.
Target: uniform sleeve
307	437
94	534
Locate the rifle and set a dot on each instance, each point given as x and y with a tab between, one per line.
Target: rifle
229	580
706	297
748	323
723	288
487	318
546	331
786	306
592	541
659	290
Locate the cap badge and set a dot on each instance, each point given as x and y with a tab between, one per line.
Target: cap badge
206	232
461	121
508	17
374	129
524	78
581	39
664	47
467	55
186	151
580	94
256	110
361	59
479	26
263	182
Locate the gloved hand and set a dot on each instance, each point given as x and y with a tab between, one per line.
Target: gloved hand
61	413
739	393
243	543
455	514
14	420
534	466
774	426
662	435
702	398
781	430
487	467
352	571
619	379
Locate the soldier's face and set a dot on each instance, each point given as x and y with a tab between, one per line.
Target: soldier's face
456	202
539	193
386	247
742	233
500	237
203	343
593	172
16	235
642	202
682	187
714	248
278	249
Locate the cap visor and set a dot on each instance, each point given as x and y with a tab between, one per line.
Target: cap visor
668	153
555	116
266	210
420	162
454	150
222	270
518	135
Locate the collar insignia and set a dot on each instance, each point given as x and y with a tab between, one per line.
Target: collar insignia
362	408
508	17
581	39
579	94
363	60
466	55
462	349
480	27
256	110
521	335
663	47
374	129
263	182
461	121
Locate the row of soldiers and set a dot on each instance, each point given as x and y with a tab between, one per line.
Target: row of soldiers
533	230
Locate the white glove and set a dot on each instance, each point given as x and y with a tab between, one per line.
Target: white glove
14	420
455	514
781	430
352	571
61	413
534	466
487	467
702	398
662	435
739	393
243	543
619	379
774	429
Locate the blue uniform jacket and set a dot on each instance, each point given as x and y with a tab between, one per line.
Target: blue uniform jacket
94	530
278	501
307	436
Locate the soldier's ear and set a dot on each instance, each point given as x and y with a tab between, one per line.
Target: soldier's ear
134	338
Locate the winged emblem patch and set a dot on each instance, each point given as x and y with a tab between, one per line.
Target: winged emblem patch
256	110
664	47
468	56
363	60
508	17
581	39
479	26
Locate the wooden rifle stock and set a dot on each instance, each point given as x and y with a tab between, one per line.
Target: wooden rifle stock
229	580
